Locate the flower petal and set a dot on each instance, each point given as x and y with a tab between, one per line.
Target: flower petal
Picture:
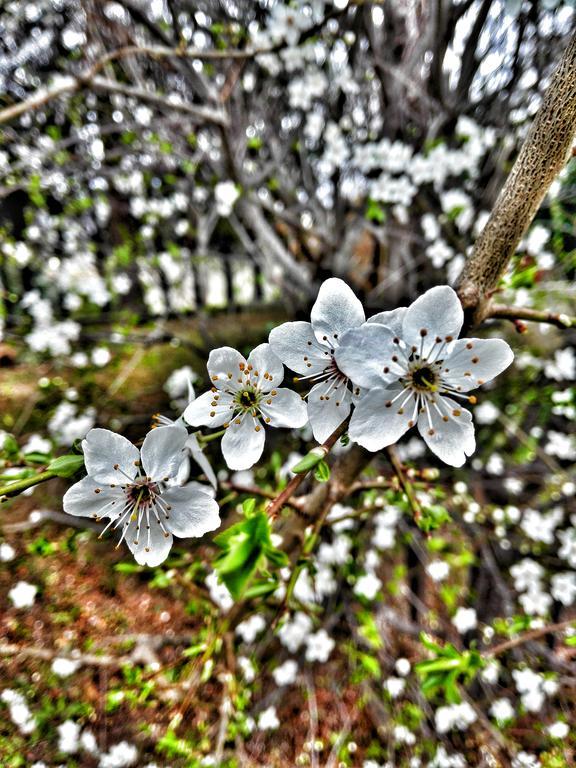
327	408
297	347
364	353
472	362
212	409
225	365
193	513
452	440
267	369
438	312
162	452
200	458
87	498
284	409
150	549
109	457
336	310
243	442
374	423
392	319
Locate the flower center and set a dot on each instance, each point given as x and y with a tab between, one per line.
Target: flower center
248	399
424	379
142	493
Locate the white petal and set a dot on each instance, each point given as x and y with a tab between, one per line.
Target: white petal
193	513
374	424
225	366
326	415
87	498
472	362
242	444
212	409
284	409
103	450
162	452
159	544
200	459
438	312
264	360
453	440
336	310
392	319
364	353
297	347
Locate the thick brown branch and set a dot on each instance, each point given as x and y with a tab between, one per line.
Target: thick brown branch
543	155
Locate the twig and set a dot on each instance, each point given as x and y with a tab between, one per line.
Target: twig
17	486
254	490
405	483
498	650
273	509
72	83
559	319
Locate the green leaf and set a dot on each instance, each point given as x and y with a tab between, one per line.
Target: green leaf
128	568
276	557
261	588
244	546
36	458
248	507
375	212
322	472
66	466
370	664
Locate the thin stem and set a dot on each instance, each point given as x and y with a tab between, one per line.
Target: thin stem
533	634
13	489
273	509
407	486
208	438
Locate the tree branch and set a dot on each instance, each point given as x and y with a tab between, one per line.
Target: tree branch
559	319
543	155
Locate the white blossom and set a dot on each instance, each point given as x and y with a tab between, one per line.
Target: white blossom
465	620
413	368
502	710
294	631
454	717
286	673
64	667
319	646
244	393
130	487
19	711
368	585
23	594
268	720
251	628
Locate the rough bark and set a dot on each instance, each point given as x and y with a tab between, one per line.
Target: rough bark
543	155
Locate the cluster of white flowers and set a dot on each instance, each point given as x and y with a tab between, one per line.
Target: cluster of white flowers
72	739
400	369
454	717
297	631
19	711
533	688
